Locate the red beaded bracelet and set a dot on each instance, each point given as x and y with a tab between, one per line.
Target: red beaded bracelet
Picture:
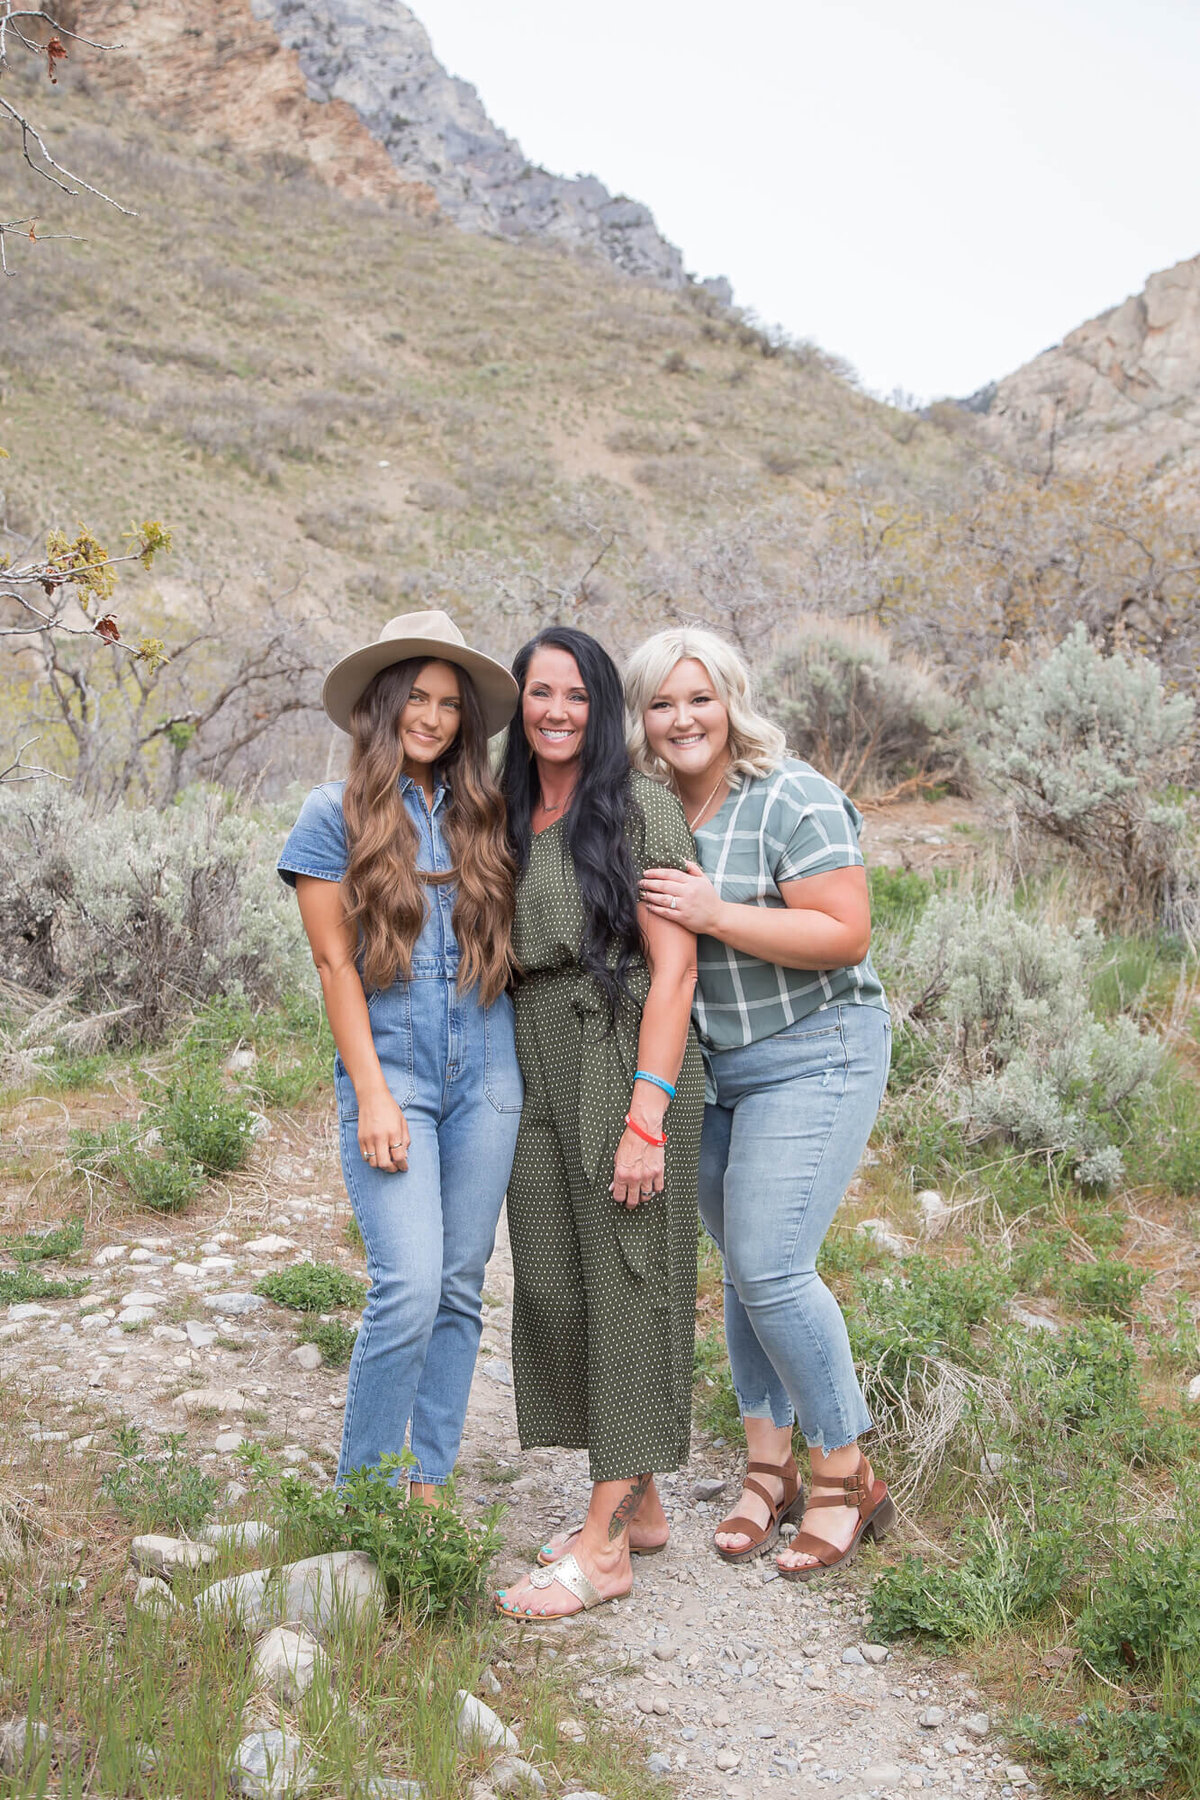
645	1136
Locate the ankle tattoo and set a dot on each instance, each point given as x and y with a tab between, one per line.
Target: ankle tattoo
626	1508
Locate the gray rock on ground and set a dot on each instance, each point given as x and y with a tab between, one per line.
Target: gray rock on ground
234	1304
287	1662
152	1595
935	1214
512	1775
881	1233
22	1741
478	1724
268	1765
226	1402
315	1593
242	1534
154	1554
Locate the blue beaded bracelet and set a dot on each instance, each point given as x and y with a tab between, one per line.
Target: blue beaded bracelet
656	1081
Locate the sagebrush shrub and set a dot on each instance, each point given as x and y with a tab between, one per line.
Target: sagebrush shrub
138	915
1004	997
1084	748
870	720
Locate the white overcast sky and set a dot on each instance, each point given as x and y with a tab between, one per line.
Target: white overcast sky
934	189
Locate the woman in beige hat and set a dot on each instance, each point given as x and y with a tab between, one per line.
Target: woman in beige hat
406	888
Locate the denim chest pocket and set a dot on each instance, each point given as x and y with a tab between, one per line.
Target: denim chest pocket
390	1013
502	1082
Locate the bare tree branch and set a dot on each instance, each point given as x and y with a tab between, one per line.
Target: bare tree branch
19	770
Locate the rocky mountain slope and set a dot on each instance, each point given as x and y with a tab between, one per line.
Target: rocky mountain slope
1121	391
352	90
376	56
313	388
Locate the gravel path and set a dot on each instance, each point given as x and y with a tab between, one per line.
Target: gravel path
740	1684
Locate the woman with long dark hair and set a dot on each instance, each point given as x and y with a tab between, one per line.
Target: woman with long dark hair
406	887
602	1200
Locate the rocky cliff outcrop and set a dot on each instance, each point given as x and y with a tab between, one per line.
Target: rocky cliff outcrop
376	57
1122	391
211	69
352	89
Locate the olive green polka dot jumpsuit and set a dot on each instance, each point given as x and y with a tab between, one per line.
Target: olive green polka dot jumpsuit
604	1297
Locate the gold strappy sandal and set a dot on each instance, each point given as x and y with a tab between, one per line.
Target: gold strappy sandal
568	1574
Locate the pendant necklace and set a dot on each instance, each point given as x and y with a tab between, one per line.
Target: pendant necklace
692	823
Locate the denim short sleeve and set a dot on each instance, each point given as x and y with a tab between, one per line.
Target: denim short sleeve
316	844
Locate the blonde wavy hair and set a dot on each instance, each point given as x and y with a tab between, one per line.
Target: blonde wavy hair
385	890
756	746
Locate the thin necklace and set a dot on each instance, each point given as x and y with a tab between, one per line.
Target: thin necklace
559	804
692	823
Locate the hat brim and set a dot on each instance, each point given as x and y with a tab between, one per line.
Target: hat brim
347	680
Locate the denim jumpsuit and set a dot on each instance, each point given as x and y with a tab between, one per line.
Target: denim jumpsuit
450	1063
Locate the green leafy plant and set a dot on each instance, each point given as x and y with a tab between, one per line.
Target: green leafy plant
898	896
205	1124
311	1287
57	1244
1105	1286
31	1284
334	1340
162	1179
1108	1751
1006	1574
716	1404
1146	1608
433	1560
164	1491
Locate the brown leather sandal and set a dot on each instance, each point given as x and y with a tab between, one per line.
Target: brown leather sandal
876	1516
762	1537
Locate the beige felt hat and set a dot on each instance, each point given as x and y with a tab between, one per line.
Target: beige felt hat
425	634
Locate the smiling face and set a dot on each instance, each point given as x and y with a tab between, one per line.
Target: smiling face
554	706
430	720
686	725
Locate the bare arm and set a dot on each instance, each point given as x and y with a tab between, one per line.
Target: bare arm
382	1129
824	923
671	956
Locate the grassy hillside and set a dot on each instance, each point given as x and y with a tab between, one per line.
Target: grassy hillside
319	390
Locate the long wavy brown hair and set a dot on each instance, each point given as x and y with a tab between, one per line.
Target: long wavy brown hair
385	890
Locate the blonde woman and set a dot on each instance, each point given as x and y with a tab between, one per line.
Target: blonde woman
796	1036
406	888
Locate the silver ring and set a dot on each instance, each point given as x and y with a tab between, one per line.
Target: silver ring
398	1146
674	903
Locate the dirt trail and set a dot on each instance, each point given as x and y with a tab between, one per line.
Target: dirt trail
740	1684
736	1679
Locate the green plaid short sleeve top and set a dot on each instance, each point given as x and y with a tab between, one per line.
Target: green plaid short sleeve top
774	828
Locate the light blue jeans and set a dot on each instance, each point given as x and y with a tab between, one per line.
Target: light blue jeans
451	1064
792	1117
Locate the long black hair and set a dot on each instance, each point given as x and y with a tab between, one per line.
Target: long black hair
601	810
